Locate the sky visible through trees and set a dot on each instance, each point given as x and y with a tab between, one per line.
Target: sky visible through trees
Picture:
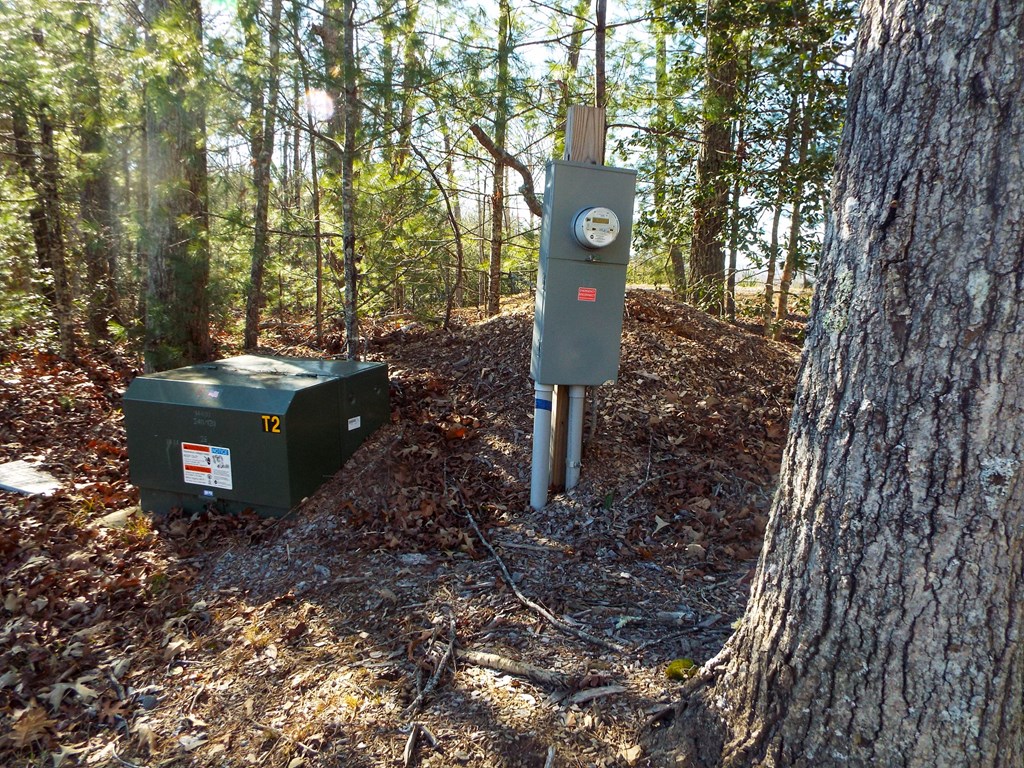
395	148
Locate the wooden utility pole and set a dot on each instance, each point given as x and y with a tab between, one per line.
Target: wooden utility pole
584	143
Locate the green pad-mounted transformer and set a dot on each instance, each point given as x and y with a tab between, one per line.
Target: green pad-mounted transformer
251	432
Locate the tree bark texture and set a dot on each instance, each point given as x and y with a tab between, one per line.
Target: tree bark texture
885	622
177	236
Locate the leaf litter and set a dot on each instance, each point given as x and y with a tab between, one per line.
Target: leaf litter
408	578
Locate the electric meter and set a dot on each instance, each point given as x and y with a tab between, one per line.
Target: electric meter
596	227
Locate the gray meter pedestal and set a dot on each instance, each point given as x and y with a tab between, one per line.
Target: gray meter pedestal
253	432
581	280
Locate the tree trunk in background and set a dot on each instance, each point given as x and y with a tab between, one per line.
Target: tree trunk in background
177	236
780	197
456	297
261	180
348	196
314	174
317	243
142	219
600	35
793	251
42	171
572	65
297	121
498	169
96	203
884	626
314	178
734	233
24	148
676	263
56	252
739	155
706	278
410	73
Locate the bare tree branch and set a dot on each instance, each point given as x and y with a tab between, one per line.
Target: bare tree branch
527	189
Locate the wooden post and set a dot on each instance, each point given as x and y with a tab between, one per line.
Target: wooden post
584	143
584	135
559	436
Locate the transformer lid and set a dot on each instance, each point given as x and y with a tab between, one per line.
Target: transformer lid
247	381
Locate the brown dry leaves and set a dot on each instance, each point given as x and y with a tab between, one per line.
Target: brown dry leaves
240	641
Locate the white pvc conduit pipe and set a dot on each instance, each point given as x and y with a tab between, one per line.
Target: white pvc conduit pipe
540	474
574	448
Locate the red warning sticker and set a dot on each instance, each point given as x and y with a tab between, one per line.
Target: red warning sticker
586	294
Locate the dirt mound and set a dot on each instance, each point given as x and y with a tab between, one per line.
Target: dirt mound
692	432
416	599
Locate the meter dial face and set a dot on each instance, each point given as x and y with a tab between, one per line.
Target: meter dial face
596	227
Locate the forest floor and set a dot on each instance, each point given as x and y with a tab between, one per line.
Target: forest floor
414	610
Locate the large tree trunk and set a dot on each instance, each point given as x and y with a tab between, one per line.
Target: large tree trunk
177	236
885	623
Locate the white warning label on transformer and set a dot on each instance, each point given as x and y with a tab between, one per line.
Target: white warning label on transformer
355	422
206	465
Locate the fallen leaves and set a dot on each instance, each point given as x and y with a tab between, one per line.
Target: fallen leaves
692	431
79	687
30	726
75	595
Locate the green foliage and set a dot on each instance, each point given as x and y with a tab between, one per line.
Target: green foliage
425	75
786	46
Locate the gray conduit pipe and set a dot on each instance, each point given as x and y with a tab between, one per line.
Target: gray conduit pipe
574	449
540	472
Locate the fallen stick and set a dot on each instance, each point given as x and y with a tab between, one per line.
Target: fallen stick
558	624
663	640
410	745
647	482
589	694
434	678
536	674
